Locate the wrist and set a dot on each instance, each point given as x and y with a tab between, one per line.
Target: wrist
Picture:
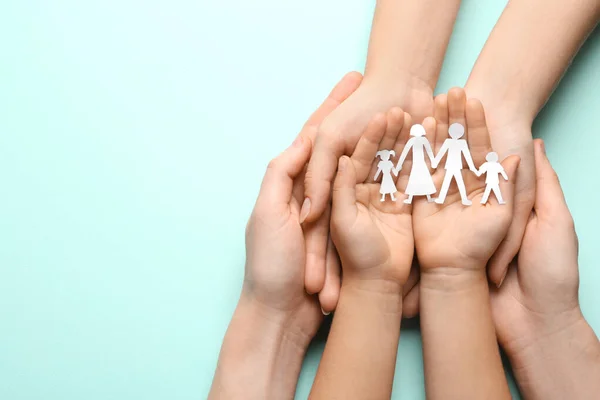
560	362
261	357
452	280
384	295
568	332
272	321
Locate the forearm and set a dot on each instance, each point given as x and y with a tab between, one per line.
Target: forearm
563	363
409	39
527	53
461	355
259	358
360	356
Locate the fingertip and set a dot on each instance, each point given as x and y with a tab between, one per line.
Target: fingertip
328	297
429	124
456	94
353	77
314	274
410	303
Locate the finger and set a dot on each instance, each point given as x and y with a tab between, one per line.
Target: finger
410	303
441	116
507	187
549	197
326	151
478	135
456	107
402	178
508	249
328	297
395	121
278	182
340	92
316	235
413	277
505	253
429	124
344	208
367	146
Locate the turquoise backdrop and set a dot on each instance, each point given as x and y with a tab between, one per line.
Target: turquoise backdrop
133	138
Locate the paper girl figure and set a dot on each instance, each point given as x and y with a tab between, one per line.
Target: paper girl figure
492	167
386	167
456	148
420	182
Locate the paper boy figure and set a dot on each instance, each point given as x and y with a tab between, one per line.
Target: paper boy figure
456	148
492	167
385	166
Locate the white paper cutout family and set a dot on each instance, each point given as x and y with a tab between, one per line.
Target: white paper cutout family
420	182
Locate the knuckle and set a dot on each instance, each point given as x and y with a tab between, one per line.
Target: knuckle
273	164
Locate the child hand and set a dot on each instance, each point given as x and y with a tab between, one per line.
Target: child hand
338	135
373	237
452	234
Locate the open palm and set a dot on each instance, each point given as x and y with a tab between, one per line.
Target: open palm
374	238
452	233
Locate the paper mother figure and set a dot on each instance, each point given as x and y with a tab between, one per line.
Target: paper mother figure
420	182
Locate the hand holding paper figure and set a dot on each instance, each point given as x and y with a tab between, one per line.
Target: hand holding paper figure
447	233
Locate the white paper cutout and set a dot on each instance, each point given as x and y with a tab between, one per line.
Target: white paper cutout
386	167
456	149
492	183
420	182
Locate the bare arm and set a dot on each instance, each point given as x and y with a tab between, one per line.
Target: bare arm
528	51
564	364
259	358
394	51
461	355
360	356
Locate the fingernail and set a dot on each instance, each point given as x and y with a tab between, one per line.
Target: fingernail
342	164
297	142
325	313
502	280
304	210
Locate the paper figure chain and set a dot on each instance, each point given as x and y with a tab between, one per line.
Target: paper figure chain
420	182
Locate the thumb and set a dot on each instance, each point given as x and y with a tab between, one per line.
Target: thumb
344	193
507	187
278	182
549	197
319	175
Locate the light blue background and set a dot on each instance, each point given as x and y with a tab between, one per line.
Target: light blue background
133	138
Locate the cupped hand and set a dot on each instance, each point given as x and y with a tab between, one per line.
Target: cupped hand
374	237
453	234
338	135
540	297
275	240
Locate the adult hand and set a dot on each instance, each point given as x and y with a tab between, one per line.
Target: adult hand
337	136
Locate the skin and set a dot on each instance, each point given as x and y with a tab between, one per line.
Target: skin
454	243
553	350
375	243
400	71
275	318
522	61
